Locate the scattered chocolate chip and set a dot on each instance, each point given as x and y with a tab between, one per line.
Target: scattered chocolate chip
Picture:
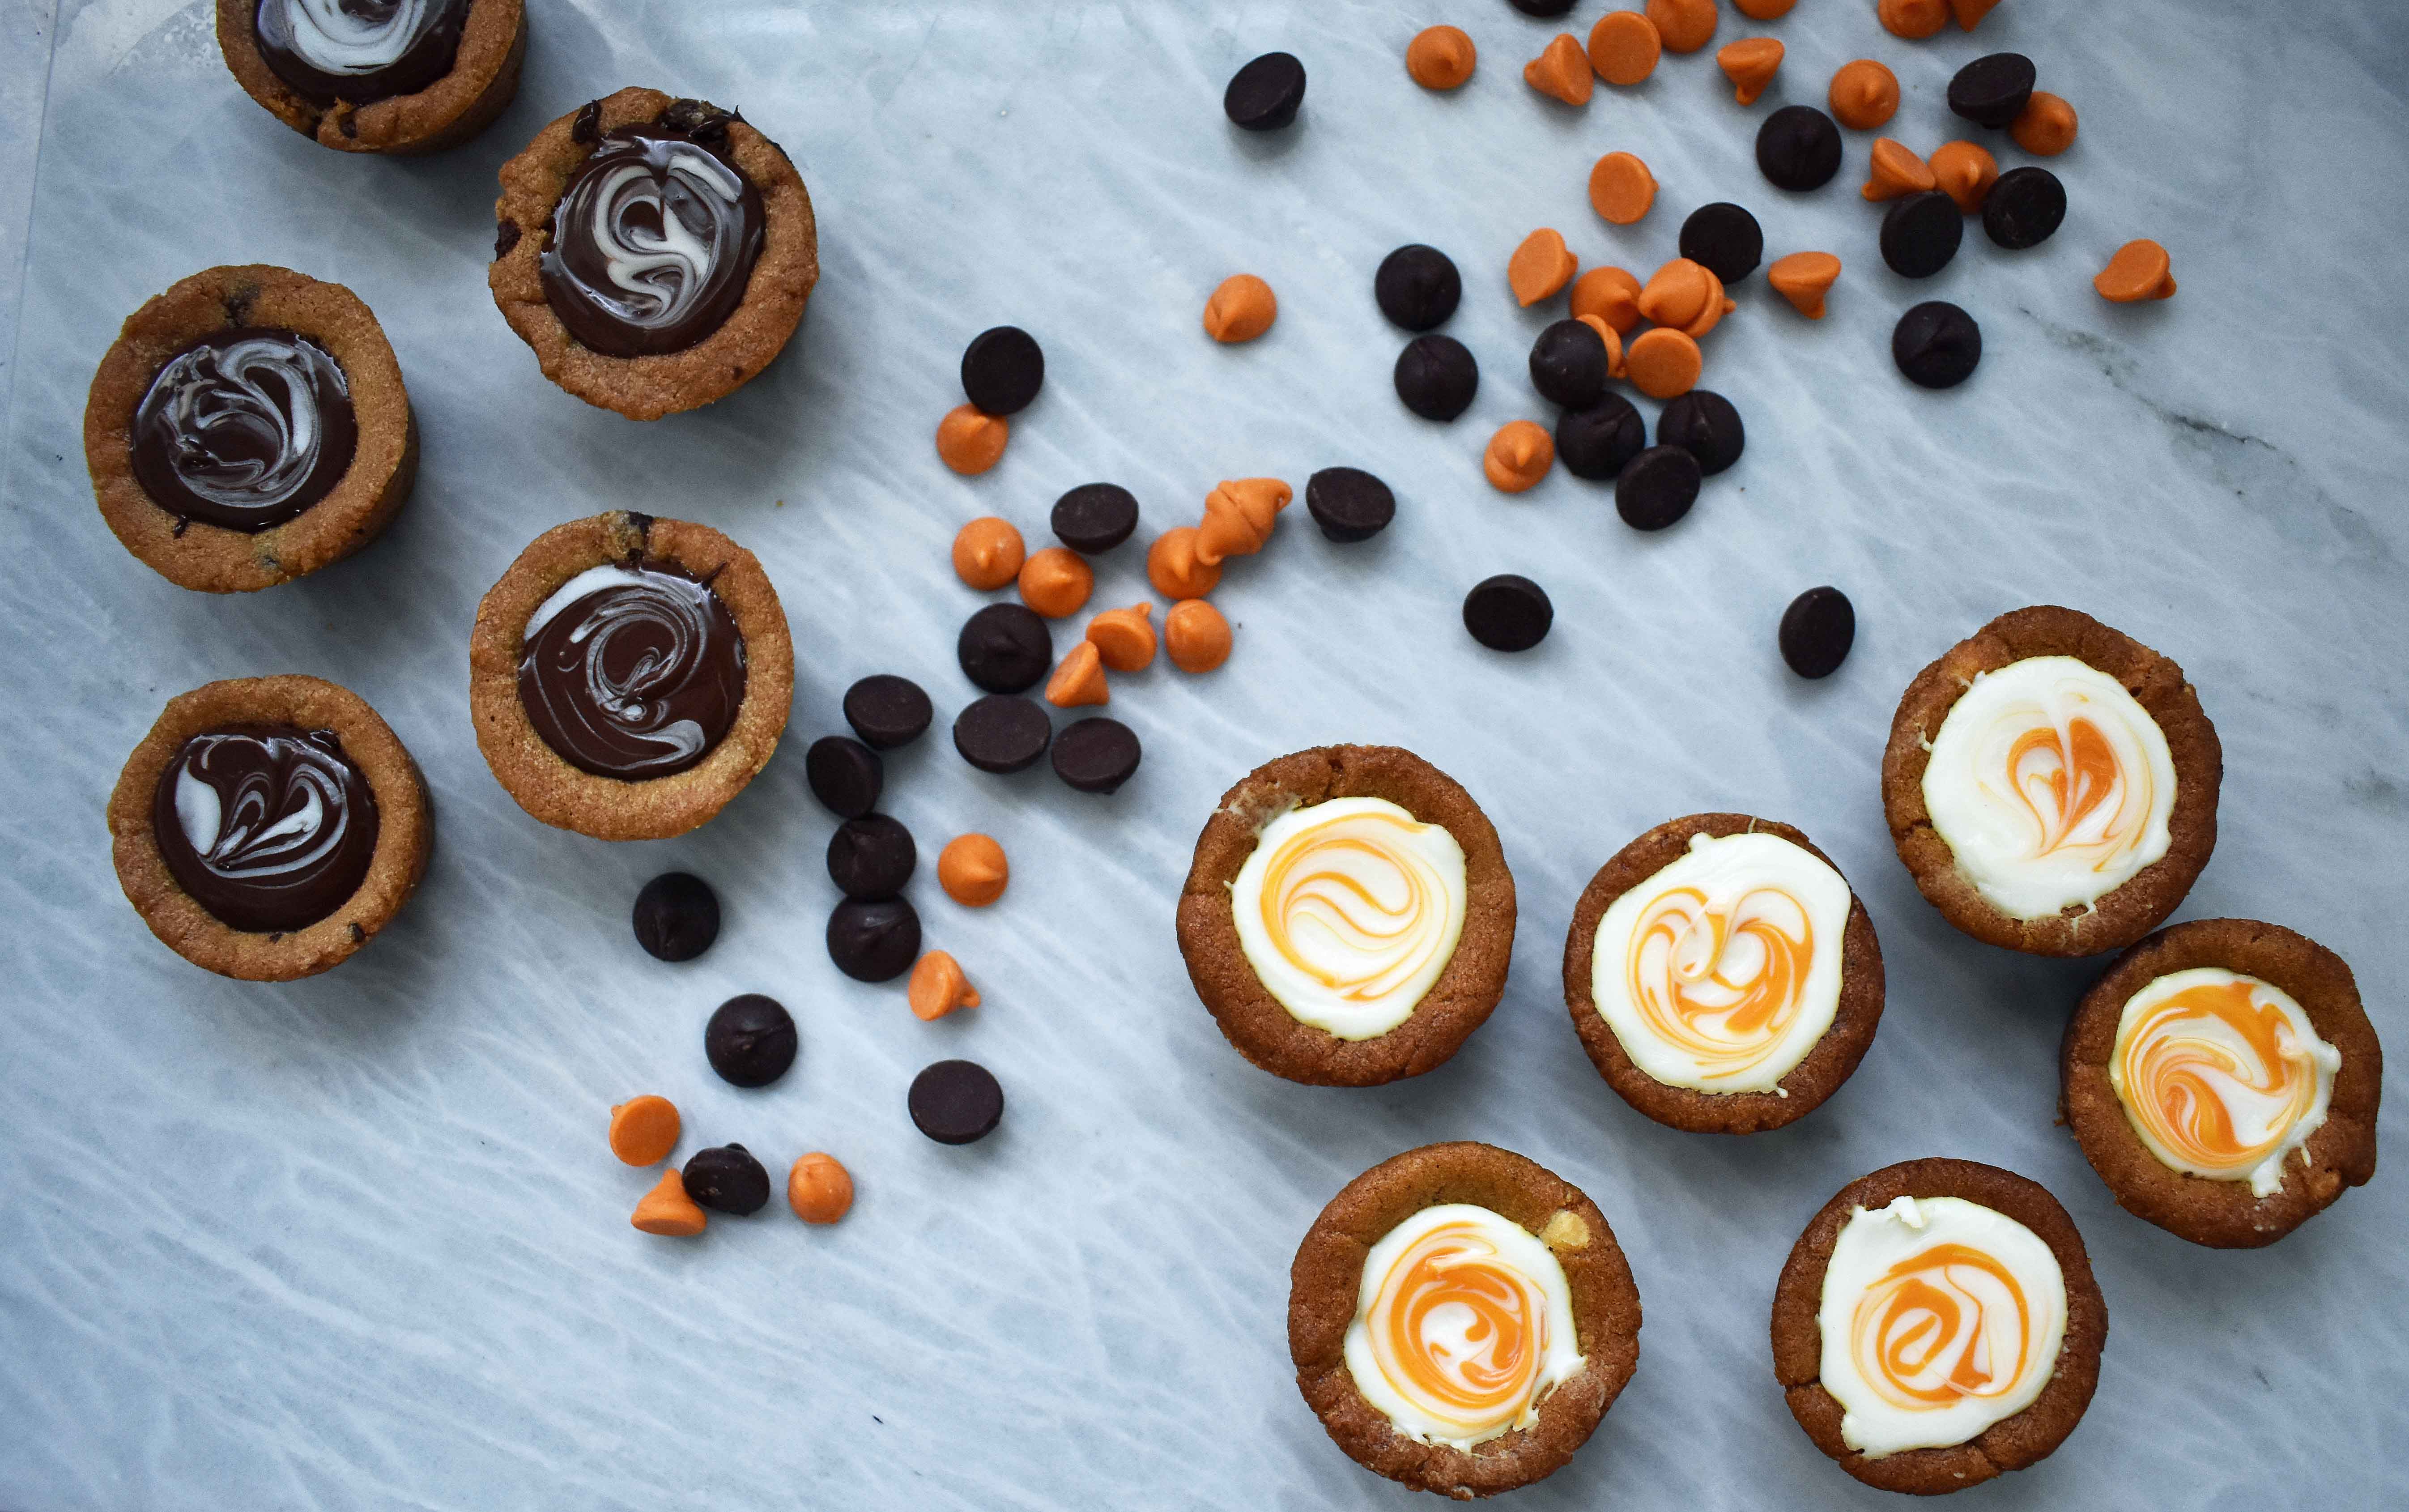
1817	630
506	236
750	1041
956	1102
1096	755
1936	344
1568	365
1658	488
677	916
587	128
873	942
1507	612
1993	90
1348	504
1725	238
1598	442
2023	208
1436	377
727	1179
845	775
871	856
886	710
1095	517
1005	648
1003	734
1002	369
1703	424
1542	7
1920	233
1798	148
1418	287
1263	96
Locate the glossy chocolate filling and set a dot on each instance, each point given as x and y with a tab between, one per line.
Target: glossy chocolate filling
632	671
245	428
269	827
359	51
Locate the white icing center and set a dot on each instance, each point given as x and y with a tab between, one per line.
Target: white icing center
2221	1075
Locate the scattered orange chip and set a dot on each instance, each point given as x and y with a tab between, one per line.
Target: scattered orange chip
1611	293
1687	25
1967	171
1241	310
1173	567
1764	9
1056	582
1624	46
1518	456
1561	71
1441	57
1124	637
1864	95
1613	339
1896	172
1803	278
668	1210
1915	20
988	553
1195	636
1621	189
937	987
1664	363
1079	679
1971	12
1750	64
820	1188
1540	266
1238	517
970	440
644	1130
1685	295
972	870
2139	270
2045	127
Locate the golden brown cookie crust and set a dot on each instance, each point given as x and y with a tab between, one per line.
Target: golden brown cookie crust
483	79
2011	1443
610	808
1831	1060
1326	1280
2226	1215
1466	991
212	558
404	829
2156	684
661	383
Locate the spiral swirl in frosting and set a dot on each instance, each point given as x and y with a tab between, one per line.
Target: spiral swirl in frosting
245	428
267	827
1349	910
1463	1322
358	50
632	671
2221	1075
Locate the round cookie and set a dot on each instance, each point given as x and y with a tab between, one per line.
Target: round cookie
428	98
2227	1213
1830	1062
302	708
2011	1443
1326	1283
2122	915
567	795
1457	1001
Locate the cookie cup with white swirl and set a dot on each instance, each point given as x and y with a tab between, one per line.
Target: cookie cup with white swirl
2051	784
377	76
656	253
1722	975
2223	1078
1460	1319
247	428
1349	917
269	826
628	676
1938	1324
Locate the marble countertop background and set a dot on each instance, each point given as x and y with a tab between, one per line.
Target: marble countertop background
356	1242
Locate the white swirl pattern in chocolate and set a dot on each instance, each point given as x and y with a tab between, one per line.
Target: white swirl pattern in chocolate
359	51
632	670
267	827
245	428
653	242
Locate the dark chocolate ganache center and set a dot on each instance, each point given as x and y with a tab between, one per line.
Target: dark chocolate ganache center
359	51
632	670
246	428
269	827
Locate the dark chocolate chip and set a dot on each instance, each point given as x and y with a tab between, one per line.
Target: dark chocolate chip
1658	488
677	916
956	1102
1598	442
1936	344
1568	365
1003	734
1005	648
1703	424
750	1041
587	128
1507	612
1920	234
1817	630
1096	755
886	710
873	942
727	1179
506	236
1542	7
1263	96
1348	504
1436	377
1798	148
2024	208
845	775
1724	238
1992	90
1095	517
1002	369
1418	286
871	856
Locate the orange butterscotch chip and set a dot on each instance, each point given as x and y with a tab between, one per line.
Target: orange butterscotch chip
1541	267
972	870
1750	64
1687	25
1613	339
1803	278
1864	95
1896	172
1079	679
1173	566
1915	20
644	1130
1518	456
1561	70
1611	293
1441	57
970	440
2139	270
1970	13
1195	636
1624	46
938	986
1685	295
2045	127
1238	517
1664	363
1056	582
988	553
1124	637
820	1188
1621	189
668	1210
1764	9
1965	171
1241	310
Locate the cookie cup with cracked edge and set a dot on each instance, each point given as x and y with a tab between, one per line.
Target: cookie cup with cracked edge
1326	1280
2143	900
1458	1001
404	829
2226	1215
1831	1060
214	558
610	808
2013	1443
483	80
660	383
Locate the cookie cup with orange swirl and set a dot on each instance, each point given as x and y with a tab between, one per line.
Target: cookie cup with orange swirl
2222	1077
1722	975
2051	784
1938	1324
1461	1318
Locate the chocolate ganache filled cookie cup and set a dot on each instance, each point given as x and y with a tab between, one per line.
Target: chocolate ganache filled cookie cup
269	826
630	675
377	76
249	426
654	252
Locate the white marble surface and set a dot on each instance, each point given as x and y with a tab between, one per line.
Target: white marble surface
356	1242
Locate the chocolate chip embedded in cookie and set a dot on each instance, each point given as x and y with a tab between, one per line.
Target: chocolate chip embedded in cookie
630	675
269	826
400	76
2051	785
708	307
1936	1324
1348	916
2223	1078
1435	1246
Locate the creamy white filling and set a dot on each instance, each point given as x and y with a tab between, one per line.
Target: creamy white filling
2212	1090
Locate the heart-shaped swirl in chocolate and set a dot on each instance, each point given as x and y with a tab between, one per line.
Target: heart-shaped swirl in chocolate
358	50
632	671
268	828
245	428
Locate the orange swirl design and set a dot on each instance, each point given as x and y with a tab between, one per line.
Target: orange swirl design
1698	989
2183	1066
1946	1323
1461	1331
2080	796
1376	908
